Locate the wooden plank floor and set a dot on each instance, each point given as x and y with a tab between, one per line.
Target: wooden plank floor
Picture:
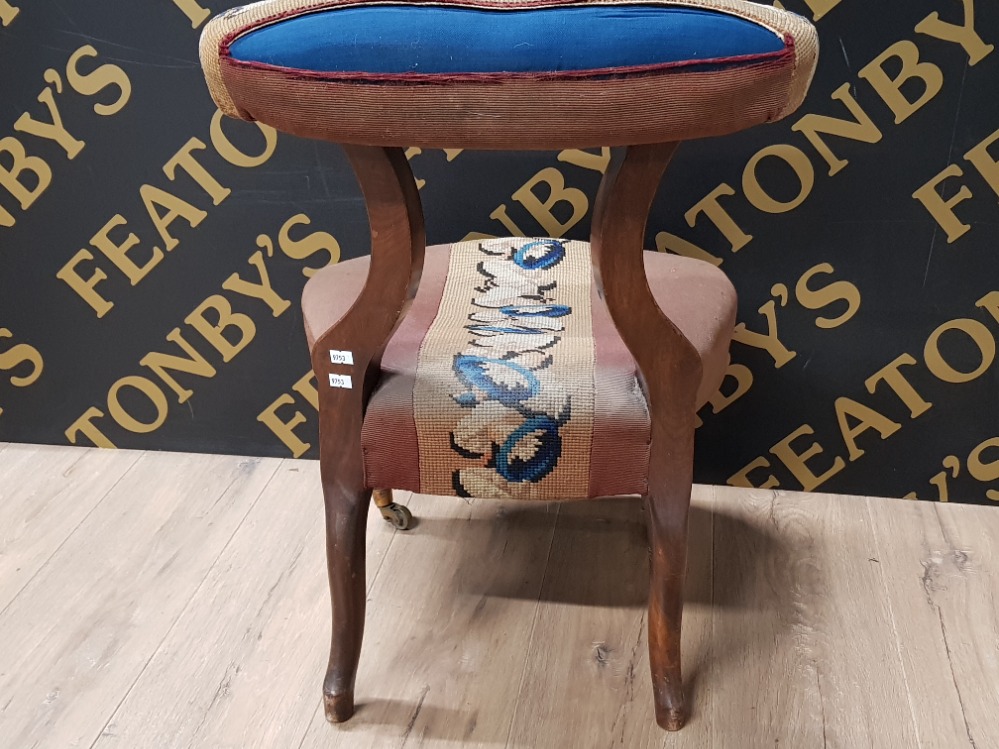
165	600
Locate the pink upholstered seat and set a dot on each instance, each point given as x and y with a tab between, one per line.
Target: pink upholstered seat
695	295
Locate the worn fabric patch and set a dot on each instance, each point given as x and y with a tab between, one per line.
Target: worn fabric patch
504	393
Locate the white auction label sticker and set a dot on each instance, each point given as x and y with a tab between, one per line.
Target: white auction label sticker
341	381
342	357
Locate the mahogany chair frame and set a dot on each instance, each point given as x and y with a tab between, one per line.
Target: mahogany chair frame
669	369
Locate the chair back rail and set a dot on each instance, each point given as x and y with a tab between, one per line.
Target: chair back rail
398	243
669	365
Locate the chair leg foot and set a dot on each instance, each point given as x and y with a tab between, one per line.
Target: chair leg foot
339	707
671	718
667	517
667	690
346	518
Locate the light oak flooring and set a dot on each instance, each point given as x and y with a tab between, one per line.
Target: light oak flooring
155	600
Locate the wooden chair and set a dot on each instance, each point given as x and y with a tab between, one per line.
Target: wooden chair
527	368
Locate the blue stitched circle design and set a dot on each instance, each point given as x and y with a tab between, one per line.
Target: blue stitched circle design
509	331
538	435
504	381
540	255
537	310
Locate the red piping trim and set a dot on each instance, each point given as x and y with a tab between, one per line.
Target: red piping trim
497	77
488	4
789	45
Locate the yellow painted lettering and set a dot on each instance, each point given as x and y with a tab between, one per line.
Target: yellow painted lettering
890	89
978	334
85	426
53	130
861	128
225	320
558	194
194	363
865	418
892	376
768	341
943	210
85	288
118	253
963	34
147	388
262	290
98	80
800	165
797	462
717	215
285	430
185	161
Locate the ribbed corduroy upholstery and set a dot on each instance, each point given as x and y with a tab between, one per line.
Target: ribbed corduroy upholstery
555	73
431	429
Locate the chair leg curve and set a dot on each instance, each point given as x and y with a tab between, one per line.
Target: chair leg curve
667	526
346	518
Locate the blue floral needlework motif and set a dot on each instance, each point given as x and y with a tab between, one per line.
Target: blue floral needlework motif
515	408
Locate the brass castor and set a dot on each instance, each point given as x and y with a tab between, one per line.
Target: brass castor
398	515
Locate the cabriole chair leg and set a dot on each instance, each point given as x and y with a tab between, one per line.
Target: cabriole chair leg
346	516
667	525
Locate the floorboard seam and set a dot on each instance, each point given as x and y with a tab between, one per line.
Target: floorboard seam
943	633
308	726
193	595
894	622
534	623
69	535
381	563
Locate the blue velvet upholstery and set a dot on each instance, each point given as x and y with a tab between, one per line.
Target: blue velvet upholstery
447	40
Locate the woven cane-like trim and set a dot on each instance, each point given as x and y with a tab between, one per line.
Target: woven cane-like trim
220	31
504	394
240	20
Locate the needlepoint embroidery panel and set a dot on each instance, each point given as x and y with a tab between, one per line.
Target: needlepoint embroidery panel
504	390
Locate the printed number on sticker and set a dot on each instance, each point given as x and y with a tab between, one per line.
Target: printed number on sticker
341	381
342	357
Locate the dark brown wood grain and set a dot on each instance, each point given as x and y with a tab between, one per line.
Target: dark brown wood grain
397	246
669	372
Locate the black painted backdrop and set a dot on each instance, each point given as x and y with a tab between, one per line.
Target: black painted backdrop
58	359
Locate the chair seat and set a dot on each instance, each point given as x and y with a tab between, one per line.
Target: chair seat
507	378
500	73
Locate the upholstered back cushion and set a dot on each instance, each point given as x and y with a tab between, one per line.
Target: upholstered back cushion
403	40
499	73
